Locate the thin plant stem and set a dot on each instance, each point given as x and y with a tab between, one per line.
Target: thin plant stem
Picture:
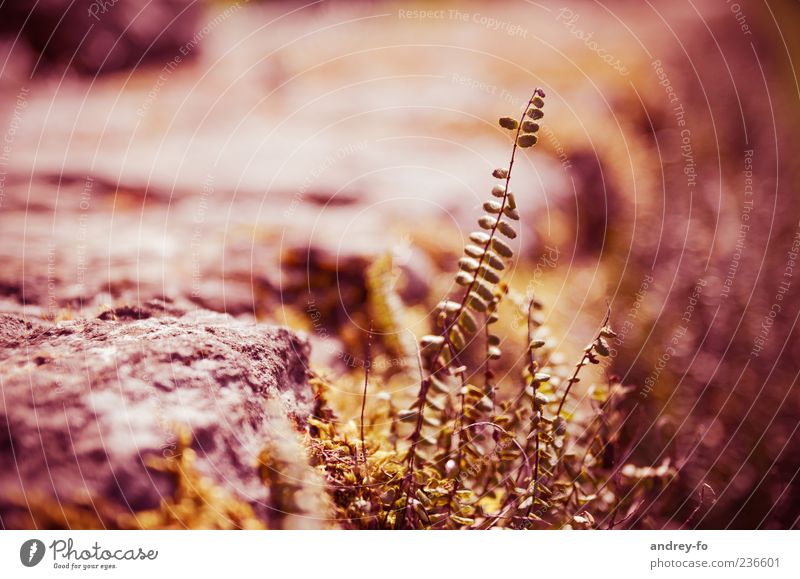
367	364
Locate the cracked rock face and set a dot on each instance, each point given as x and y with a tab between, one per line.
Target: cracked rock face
86	402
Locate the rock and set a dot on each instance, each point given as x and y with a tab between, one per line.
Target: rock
86	402
101	36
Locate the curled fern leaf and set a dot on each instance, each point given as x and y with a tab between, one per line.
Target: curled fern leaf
535	114
468	264
479	237
457	338
486	222
473	250
468	322
475	302
505	228
502	248
493	260
449	306
529	127
492	207
484	290
431	340
508	123
463	278
488	274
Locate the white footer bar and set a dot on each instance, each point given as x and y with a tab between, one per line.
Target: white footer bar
389	554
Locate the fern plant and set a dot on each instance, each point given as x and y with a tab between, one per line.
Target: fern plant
478	453
485	257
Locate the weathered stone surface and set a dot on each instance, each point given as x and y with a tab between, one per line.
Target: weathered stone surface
85	402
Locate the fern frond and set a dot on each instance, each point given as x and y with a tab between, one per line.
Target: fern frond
479	274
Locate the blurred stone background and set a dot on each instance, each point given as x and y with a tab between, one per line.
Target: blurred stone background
249	157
